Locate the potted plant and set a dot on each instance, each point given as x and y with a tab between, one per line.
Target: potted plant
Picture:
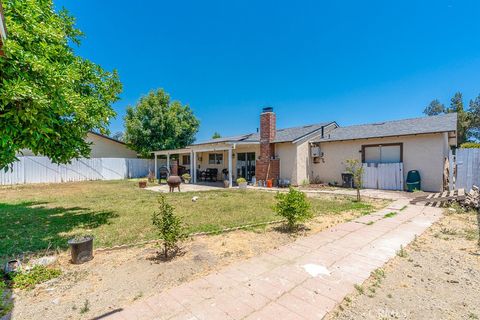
186	177
81	248
242	183
142	184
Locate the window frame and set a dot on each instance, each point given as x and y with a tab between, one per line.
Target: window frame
186	163
400	144
216	159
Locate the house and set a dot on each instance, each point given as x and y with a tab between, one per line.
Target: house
102	147
3	29
319	151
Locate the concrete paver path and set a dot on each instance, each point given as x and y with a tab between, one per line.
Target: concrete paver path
302	280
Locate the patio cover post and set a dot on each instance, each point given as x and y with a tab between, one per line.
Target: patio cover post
155	155
230	178
168	162
194	160
191	165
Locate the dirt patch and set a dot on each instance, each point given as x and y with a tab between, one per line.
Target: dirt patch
436	277
114	279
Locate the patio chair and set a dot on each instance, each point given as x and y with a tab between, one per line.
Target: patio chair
211	174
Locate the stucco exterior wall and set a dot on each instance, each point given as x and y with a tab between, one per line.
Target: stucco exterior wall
101	148
105	148
287	153
425	153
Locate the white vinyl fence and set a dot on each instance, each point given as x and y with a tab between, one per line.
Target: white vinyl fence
464	168
42	170
385	176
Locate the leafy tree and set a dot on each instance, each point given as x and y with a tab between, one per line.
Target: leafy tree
355	167
434	108
49	97
169	226
118	136
156	123
474	110
216	135
293	206
467	124
463	126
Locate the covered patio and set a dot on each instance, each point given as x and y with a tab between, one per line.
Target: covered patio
202	163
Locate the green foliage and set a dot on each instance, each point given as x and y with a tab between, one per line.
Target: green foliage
186	176
156	123
241	180
293	206
169	226
468	123
355	167
390	215
6	304
216	135
50	98
434	108
29	279
471	145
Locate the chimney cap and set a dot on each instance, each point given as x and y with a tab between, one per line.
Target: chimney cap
267	109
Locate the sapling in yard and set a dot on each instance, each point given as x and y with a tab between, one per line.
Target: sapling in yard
293	206
355	167
169	226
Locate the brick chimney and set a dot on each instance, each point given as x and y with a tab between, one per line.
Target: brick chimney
266	167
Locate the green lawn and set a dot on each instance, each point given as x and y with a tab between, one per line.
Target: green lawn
35	217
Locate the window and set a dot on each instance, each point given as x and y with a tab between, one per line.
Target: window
215	158
186	160
386	153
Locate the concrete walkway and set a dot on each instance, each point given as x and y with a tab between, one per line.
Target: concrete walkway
302	280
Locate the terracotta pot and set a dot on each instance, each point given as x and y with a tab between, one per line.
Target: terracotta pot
142	184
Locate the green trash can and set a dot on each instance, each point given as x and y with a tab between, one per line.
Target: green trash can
413	181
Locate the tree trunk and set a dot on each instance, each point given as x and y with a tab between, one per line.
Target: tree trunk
358	195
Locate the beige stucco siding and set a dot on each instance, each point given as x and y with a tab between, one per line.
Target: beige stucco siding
106	148
101	148
425	153
295	161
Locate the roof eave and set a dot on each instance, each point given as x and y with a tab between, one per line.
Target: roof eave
387	136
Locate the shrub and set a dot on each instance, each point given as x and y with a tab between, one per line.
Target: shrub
169	226
355	167
186	176
293	206
471	145
241	180
29	279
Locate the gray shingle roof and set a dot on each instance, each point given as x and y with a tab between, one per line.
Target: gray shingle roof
433	124
282	135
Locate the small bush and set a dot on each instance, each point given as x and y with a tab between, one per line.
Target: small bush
29	279
241	180
169	226
293	206
470	145
186	176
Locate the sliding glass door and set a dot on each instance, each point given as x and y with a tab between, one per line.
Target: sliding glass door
246	165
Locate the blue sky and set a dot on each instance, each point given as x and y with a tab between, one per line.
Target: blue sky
313	61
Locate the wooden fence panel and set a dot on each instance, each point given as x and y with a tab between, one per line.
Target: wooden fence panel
385	176
468	168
